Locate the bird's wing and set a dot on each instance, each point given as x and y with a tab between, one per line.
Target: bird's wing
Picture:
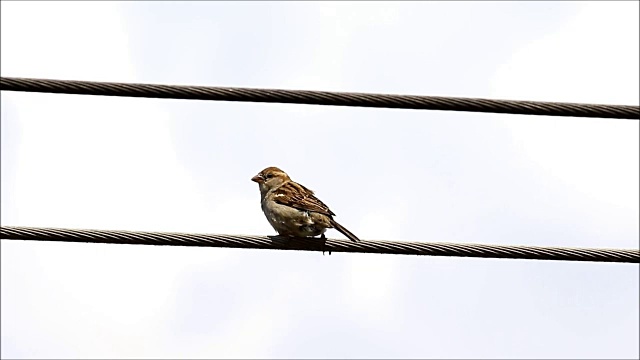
299	197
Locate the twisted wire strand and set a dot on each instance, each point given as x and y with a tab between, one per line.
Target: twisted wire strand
315	244
320	98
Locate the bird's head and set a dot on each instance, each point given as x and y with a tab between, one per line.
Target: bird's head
270	178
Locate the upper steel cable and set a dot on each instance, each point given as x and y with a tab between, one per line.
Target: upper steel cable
320	98
281	243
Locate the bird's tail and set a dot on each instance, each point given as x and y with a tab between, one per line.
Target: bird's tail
344	231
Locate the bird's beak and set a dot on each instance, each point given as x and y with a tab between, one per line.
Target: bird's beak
258	178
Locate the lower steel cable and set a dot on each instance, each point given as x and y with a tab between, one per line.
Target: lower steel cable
316	244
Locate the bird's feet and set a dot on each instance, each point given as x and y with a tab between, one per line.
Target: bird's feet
324	238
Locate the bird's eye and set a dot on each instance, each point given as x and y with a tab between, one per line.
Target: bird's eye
269	176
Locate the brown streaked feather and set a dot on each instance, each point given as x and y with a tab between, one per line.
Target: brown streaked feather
299	197
273	169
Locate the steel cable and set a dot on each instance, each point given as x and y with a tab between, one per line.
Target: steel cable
320	98
315	244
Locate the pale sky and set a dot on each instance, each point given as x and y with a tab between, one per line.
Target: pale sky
175	165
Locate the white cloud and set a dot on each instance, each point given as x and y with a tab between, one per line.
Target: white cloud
593	58
91	162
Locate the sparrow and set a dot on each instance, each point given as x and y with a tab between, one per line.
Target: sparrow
292	209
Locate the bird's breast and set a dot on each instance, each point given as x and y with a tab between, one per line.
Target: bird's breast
283	214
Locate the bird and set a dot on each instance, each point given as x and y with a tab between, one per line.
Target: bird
292	209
